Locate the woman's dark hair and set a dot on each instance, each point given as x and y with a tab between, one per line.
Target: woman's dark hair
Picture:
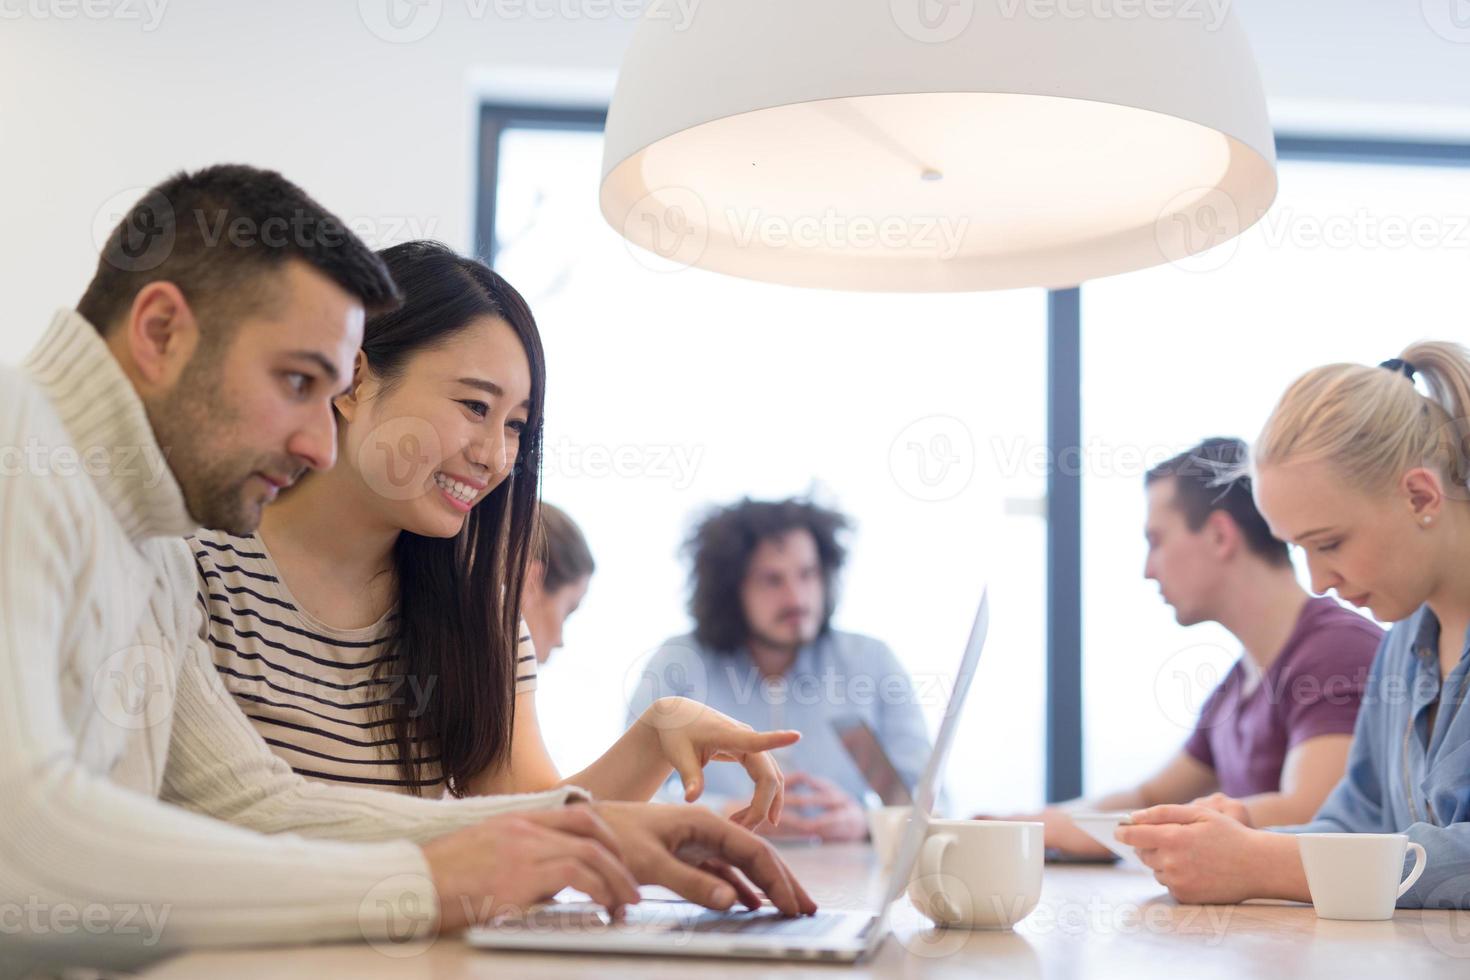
459	598
562	550
1212	476
720	547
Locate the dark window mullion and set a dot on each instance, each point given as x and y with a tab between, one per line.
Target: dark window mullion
1064	545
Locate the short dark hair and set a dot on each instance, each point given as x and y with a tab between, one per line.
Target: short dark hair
561	548
214	232
720	547
1212	476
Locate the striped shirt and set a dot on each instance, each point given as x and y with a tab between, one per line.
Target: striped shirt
315	693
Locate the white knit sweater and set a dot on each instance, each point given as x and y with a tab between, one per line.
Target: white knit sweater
129	781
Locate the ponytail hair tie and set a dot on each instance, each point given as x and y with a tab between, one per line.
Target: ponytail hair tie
1401	366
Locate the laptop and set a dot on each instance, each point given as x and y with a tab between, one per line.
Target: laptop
658	927
867	753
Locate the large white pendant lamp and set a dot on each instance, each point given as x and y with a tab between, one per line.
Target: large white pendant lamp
936	145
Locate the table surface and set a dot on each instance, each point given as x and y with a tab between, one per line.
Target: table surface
1091	920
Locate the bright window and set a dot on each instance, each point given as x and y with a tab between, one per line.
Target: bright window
921	416
1354	262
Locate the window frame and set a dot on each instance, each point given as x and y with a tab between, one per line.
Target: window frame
1064	529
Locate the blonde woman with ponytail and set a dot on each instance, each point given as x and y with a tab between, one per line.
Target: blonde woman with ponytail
1369	476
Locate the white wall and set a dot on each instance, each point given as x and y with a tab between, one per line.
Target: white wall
384	132
1364	65
378	131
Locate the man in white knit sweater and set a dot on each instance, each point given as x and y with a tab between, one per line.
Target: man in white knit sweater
140	808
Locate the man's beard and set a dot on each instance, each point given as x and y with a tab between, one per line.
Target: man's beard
782	643
197	430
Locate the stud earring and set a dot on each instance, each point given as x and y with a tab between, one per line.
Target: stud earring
1428	520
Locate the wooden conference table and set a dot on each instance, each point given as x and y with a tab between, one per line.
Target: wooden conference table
1092	921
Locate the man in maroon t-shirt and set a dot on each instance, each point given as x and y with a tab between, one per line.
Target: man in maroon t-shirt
1272	740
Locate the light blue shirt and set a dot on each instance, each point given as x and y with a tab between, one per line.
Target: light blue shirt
838	675
1403	777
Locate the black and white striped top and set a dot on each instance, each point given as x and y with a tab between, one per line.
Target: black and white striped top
312	691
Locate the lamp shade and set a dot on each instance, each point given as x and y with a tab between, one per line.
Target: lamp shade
936	145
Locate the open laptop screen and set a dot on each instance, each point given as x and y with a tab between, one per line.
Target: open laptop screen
925	792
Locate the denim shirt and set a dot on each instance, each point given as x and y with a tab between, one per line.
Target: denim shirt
838	675
1403	777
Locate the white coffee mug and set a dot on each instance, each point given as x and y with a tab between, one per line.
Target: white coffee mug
1356	876
885	827
979	874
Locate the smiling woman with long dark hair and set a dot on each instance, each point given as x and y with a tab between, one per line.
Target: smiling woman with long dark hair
370	629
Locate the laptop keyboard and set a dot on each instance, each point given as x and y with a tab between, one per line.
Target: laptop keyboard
684	917
766	924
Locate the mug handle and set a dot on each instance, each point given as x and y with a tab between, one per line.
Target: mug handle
1421	859
931	868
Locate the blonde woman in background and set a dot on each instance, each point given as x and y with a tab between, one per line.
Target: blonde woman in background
1369	477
